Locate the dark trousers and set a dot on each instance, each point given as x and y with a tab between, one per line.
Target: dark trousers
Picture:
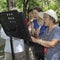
38	52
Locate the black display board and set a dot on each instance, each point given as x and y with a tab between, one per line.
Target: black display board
13	23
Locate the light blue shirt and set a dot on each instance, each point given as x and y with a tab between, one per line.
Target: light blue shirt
53	53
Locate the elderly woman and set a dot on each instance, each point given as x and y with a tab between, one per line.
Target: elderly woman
51	37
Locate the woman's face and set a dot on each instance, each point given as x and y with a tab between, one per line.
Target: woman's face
46	19
31	15
35	13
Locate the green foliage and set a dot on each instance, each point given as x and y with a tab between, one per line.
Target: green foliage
19	4
52	5
33	3
44	4
3	5
58	7
58	2
58	13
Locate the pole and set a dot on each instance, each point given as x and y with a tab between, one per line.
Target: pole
12	49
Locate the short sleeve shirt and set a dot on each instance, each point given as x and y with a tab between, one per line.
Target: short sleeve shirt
53	53
36	25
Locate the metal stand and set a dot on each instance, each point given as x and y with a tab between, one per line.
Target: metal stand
12	49
13	23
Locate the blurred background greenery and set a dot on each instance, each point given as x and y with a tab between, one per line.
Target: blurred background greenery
44	4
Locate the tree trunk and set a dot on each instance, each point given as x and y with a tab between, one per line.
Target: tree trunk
10	4
25	2
25	13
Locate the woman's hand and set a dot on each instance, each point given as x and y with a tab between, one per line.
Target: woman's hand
33	39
